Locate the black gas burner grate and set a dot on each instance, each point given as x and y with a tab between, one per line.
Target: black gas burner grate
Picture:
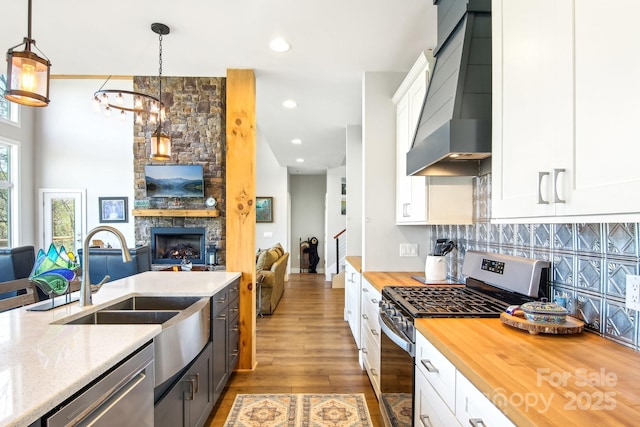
445	301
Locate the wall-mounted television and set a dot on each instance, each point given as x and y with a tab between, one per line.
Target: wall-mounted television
174	180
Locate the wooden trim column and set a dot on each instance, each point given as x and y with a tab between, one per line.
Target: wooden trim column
240	202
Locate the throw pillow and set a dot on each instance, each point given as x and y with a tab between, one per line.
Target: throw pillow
262	257
278	250
272	256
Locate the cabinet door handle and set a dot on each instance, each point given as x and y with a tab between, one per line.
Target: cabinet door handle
426	422
556	198
197	378
374	372
364	350
365	290
476	422
192	386
374	332
406	210
541	175
373	300
429	366
364	316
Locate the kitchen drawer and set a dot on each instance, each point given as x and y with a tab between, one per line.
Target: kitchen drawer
371	359
437	369
234	308
370	324
429	408
220	301
474	408
370	305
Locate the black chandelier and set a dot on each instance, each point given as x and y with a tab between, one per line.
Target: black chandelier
142	105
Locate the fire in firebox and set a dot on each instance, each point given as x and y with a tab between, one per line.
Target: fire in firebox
181	251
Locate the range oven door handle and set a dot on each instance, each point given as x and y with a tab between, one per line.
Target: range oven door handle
395	335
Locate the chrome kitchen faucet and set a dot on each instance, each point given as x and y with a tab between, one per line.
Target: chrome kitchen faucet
86	288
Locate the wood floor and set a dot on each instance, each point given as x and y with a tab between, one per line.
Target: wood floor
305	346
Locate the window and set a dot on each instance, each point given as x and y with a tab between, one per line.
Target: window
6	195
8	110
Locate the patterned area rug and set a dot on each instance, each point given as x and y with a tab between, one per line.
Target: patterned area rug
295	410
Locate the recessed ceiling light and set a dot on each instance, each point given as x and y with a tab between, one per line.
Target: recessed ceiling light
279	45
289	103
300	160
296	141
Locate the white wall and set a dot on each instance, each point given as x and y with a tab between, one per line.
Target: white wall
335	221
307	215
22	136
381	237
354	190
77	148
271	181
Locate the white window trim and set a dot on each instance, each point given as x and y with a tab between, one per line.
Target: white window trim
15	112
14	185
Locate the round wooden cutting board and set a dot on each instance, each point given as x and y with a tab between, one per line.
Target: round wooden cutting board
570	326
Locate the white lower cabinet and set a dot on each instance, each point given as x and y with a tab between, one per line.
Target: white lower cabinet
445	397
474	408
429	408
370	334
437	369
352	281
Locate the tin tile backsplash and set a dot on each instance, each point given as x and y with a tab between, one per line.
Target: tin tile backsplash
589	262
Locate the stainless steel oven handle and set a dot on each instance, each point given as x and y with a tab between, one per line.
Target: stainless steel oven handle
391	332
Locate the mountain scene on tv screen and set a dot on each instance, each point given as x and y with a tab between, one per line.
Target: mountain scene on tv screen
180	181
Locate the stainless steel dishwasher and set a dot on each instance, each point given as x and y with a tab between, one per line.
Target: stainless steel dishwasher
123	398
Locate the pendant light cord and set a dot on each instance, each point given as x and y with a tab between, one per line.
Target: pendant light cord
160	78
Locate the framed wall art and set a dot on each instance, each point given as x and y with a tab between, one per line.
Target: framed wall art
264	209
113	209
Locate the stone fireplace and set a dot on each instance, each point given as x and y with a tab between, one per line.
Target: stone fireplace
170	245
195	119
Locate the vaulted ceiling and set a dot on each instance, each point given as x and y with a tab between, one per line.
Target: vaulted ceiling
333	42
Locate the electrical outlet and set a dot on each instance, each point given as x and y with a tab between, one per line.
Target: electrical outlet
408	249
633	292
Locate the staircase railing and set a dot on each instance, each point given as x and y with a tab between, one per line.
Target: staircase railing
341	248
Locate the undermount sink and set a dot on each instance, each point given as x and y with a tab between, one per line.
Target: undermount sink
185	322
124	317
154	303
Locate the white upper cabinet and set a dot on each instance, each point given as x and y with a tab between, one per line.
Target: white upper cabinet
532	95
424	200
410	190
605	175
564	85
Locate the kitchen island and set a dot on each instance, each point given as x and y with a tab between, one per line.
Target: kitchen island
44	362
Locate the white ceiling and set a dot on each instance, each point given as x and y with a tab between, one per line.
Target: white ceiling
333	43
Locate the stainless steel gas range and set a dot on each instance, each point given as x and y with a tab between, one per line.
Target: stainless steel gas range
492	283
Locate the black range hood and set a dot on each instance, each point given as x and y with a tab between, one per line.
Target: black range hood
453	136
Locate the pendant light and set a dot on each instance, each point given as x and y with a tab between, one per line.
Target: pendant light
27	73
160	141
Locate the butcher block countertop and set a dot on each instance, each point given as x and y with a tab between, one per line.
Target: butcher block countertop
380	279
355	261
543	380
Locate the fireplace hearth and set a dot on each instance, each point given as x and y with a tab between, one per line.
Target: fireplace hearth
170	245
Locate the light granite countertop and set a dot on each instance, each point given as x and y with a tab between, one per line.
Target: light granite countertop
42	363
